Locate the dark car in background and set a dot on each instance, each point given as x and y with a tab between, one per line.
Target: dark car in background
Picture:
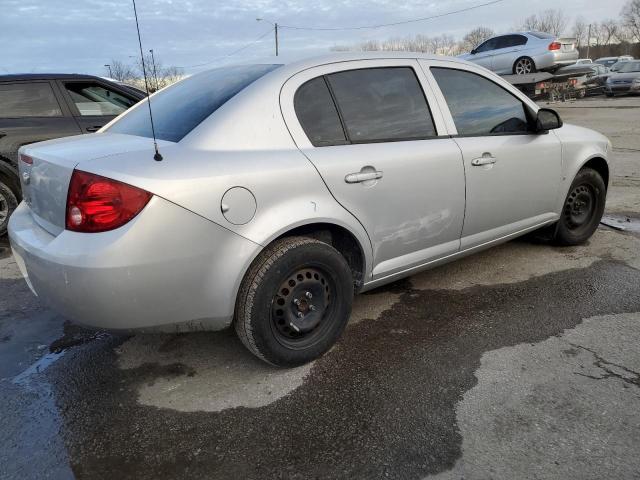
36	107
625	80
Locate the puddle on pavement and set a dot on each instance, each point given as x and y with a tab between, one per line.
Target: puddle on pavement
622	222
382	403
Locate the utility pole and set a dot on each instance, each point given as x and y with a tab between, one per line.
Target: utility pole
589	41
155	74
109	67
275	29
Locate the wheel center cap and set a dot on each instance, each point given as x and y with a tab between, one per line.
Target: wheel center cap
303	305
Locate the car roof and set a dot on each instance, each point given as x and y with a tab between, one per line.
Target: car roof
295	66
44	76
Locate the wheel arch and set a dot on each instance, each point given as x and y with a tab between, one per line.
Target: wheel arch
339	237
600	165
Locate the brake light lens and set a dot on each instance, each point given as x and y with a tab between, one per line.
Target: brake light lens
555	46
26	159
99	204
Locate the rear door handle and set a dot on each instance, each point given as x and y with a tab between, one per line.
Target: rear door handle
363	177
95	128
485	159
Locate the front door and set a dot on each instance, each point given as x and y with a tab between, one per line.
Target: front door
483	54
369	131
95	104
512	175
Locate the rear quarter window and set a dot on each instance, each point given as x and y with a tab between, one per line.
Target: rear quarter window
19	100
181	107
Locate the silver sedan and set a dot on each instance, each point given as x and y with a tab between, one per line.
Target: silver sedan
282	190
524	52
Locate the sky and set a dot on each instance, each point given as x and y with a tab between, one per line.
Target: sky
81	36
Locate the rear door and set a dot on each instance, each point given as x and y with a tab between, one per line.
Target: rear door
512	175
94	103
507	53
31	111
378	140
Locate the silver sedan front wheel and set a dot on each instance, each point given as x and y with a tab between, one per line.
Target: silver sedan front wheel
524	66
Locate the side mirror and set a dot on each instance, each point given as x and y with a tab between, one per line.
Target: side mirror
547	119
474	51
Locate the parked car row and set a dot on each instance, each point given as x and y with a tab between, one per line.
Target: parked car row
36	107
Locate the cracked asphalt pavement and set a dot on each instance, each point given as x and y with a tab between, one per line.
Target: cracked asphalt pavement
518	362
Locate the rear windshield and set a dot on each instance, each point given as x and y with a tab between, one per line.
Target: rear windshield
541	35
181	107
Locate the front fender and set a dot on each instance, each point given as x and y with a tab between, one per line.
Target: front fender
579	146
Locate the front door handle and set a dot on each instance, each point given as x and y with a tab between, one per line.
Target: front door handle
95	128
363	176
485	159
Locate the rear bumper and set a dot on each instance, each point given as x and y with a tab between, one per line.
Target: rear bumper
168	269
552	59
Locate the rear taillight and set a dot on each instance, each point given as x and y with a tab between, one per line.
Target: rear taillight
26	159
555	46
98	204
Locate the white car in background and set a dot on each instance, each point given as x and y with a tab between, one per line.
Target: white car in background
523	53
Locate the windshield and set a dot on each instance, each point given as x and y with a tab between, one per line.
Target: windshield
628	67
181	107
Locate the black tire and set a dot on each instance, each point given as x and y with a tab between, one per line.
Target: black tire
582	209
524	66
8	203
609	94
274	302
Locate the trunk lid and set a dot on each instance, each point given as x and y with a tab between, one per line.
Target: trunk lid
46	181
568	44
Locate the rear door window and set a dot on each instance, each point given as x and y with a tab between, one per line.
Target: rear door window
181	107
479	106
382	104
93	99
19	100
317	114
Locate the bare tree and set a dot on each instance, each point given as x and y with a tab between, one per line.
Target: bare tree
553	21
158	76
631	18
580	31
122	71
475	37
550	21
532	22
596	33
609	30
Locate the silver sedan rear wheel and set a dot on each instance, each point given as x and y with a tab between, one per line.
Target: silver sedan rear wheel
524	66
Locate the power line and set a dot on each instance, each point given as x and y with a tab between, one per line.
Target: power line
238	50
364	27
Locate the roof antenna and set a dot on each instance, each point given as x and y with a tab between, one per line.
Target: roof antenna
157	157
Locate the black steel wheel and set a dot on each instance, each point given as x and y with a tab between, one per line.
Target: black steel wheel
294	301
301	309
583	208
